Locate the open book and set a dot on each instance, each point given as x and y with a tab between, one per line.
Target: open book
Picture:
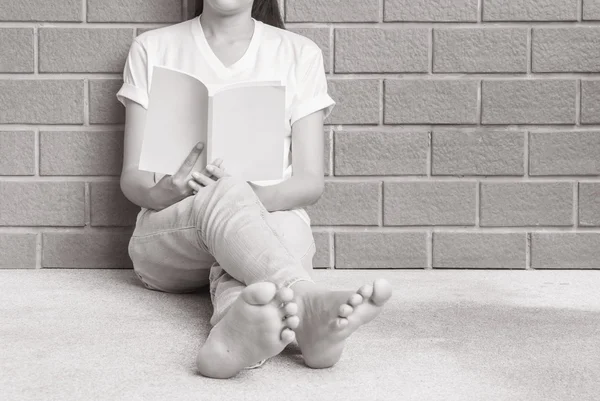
241	123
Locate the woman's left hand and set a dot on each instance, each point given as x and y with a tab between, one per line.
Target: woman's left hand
202	180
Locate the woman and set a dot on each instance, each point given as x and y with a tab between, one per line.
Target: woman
250	241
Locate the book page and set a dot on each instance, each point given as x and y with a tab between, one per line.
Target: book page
247	131
175	121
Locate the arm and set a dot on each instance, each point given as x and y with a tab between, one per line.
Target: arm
137	185
305	187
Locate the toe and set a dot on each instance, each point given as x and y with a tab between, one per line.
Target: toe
366	291
382	291
287	336
292	322
342	322
355	300
259	293
291	308
285	295
345	310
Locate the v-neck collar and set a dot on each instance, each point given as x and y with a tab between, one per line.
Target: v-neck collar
211	58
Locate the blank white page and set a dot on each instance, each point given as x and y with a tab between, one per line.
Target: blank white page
247	131
176	120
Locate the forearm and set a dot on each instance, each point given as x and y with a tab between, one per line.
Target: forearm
296	192
139	187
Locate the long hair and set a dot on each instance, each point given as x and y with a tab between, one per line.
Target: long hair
266	11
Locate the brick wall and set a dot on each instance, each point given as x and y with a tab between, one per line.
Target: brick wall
467	133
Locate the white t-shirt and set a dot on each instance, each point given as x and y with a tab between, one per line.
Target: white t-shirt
274	54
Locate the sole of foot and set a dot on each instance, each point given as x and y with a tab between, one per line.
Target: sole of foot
257	326
328	318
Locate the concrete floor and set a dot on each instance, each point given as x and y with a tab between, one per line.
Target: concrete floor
445	335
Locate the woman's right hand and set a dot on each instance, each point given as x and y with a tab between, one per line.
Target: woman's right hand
173	188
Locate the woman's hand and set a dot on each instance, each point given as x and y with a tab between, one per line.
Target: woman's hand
208	176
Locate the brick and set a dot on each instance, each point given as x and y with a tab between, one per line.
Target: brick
591	9
81	153
479	250
41	101
84	49
357	101
545	101
109	207
104	106
321	38
380	250
482	50
41	10
324	244
134	11
590	101
480	152
589	204
41	204
347	203
564	153
381	50
429	203
566	49
381	153
415	101
565	251
18	251
17	153
427	10
16	48
530	10
526	204
86	250
332	10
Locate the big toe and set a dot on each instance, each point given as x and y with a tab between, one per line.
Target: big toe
259	293
382	291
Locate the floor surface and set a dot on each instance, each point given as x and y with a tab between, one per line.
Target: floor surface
445	335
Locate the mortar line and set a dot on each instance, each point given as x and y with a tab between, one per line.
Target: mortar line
528	251
578	95
479	111
292	25
84	12
36	152
87	206
580	10
331	250
429	167
331	165
429	250
36	51
38	250
478	204
331	50
381	203
479	11
430	54
86	102
576	204
529	52
526	147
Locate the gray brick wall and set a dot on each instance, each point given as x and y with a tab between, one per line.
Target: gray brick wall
466	135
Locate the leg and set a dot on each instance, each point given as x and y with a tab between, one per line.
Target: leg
294	234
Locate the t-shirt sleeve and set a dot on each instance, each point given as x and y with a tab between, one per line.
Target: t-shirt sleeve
135	76
311	94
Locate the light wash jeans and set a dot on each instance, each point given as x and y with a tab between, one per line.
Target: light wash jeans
223	237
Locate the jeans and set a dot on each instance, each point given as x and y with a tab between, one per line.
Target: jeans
223	237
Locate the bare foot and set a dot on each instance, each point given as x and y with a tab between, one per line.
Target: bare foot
258	326
328	318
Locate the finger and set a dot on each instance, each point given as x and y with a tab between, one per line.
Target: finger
216	162
202	179
194	185
191	159
216	171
